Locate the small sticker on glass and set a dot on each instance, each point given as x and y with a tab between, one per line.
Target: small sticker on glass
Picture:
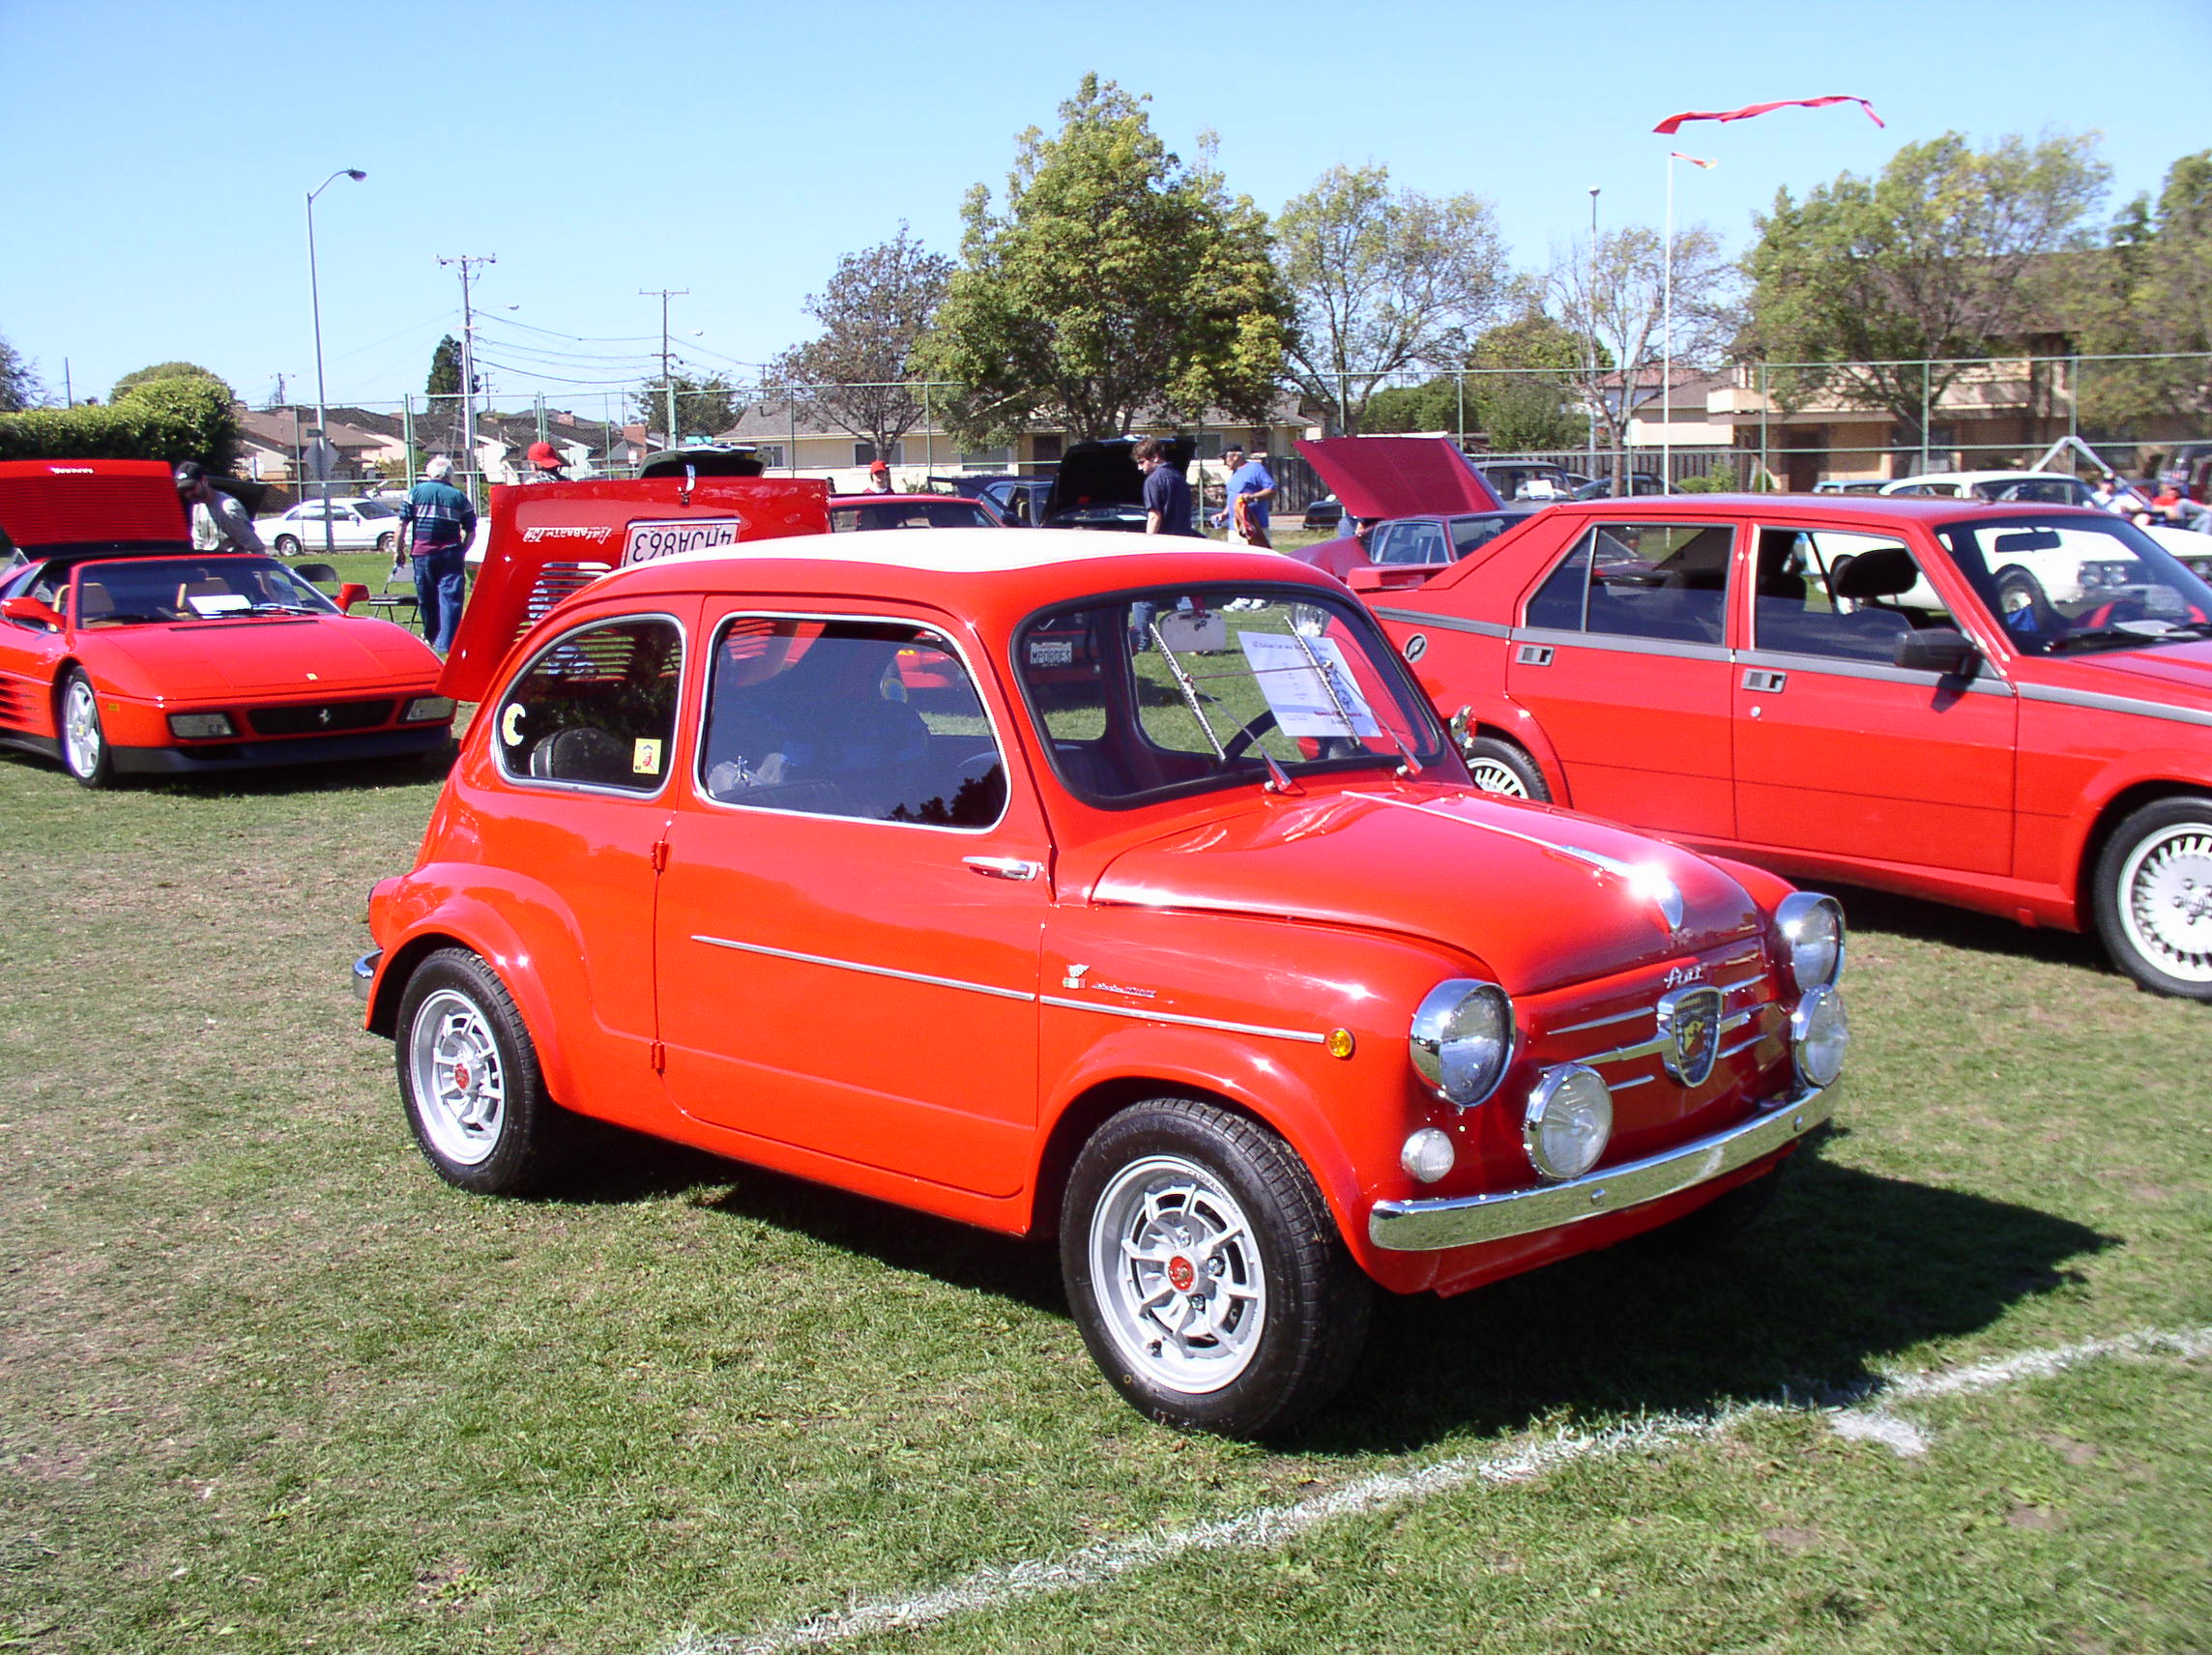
645	757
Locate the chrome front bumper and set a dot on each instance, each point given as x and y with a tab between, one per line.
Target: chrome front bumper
365	972
1461	1221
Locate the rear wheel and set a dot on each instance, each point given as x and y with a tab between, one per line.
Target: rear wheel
386	542
84	742
1206	1270
2017	589
1500	766
287	545
470	1080
2154	896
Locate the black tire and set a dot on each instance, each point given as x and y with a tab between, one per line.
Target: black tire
2017	589
287	545
85	752
459	1033
1500	766
1257	1365
385	542
2153	896
1726	1217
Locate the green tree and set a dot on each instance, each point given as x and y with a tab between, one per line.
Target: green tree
445	369
160	371
2149	290
859	374
19	386
1119	282
1383	280
1933	259
1521	395
706	405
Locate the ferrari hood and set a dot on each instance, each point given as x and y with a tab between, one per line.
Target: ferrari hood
1399	477
304	657
63	502
1543	898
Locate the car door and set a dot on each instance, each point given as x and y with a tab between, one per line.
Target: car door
1841	751
854	902
29	652
1620	658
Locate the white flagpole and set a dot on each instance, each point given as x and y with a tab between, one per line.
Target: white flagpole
1667	330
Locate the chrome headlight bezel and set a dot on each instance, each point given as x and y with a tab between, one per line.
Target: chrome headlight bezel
1808	933
1564	1085
1819	1024
1463	1077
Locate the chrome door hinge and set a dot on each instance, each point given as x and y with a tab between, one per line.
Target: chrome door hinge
659	856
660	1056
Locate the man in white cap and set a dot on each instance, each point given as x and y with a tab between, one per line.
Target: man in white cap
438	520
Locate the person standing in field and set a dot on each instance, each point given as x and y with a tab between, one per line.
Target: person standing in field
1167	491
1251	491
219	522
438	520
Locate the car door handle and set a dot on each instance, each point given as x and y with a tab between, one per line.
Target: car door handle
1534	655
1764	682
1004	867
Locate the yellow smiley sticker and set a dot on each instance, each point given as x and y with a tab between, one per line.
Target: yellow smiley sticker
510	725
645	758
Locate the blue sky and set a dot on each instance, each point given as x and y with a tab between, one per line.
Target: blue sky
158	154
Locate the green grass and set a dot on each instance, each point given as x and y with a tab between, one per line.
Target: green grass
269	1385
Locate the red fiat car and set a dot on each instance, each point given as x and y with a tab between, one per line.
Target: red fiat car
2004	707
123	650
1151	922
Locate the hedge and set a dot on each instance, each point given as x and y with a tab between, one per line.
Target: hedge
167	420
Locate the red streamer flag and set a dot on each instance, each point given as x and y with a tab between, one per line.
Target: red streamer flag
1672	123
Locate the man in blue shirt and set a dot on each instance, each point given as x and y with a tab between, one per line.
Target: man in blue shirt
1166	492
1252	487
438	521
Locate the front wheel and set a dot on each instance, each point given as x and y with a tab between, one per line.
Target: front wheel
470	1081
287	545
85	752
2154	896
1500	767
1206	1270
2019	591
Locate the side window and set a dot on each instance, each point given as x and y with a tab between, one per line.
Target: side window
1642	580
1413	543
876	720
1470	533
1844	595
596	707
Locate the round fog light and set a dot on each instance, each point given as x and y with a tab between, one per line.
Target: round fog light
1427	1155
1568	1121
1818	1035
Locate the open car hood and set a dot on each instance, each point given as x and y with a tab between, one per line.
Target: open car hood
1483	875
75	503
1105	473
1399	477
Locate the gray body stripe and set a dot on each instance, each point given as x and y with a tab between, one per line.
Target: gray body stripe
1618	643
1444	623
2113	703
1144	1015
1781	660
865	971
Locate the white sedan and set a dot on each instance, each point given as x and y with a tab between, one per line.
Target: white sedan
353	525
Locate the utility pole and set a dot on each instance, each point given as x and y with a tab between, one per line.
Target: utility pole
1596	390
469	359
667	380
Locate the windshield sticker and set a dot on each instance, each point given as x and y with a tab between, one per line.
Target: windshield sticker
645	757
219	603
1303	704
648	543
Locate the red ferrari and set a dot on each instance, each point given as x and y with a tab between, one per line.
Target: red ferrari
124	650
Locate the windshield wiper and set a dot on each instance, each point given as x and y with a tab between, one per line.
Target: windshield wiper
2128	637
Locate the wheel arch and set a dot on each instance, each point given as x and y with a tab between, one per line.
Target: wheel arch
1522	732
482	934
2110	815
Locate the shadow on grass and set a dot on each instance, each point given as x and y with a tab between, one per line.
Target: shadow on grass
1846	1270
1956	928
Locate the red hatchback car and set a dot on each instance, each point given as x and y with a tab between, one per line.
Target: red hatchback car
1058	883
2008	707
123	650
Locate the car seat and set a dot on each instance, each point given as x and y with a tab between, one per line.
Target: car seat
585	753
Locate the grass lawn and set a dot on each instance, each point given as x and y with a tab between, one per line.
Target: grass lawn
269	1385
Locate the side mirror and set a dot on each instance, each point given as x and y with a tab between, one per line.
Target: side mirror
35	610
349	594
1367	578
1937	649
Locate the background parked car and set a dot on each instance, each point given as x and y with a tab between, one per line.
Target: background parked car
863	512
354	526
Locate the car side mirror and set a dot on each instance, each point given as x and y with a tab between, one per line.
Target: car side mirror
349	594
36	610
1937	649
1367	578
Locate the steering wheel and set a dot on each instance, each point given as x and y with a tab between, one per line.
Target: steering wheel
1261	724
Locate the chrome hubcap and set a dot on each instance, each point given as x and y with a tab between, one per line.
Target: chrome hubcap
1178	1273
2166	900
81	729
1494	777
460	1090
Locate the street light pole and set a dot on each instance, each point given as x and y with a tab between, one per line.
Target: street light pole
1595	389
324	449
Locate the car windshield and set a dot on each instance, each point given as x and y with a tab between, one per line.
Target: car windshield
373	508
145	591
909	514
2080	581
1174	690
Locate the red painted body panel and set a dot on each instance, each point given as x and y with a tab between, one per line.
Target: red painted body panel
1991	799
852	1001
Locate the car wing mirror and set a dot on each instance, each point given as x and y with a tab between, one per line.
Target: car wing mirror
33	609
1942	650
1367	578
349	594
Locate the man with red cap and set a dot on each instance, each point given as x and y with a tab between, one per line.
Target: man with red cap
879	478
545	464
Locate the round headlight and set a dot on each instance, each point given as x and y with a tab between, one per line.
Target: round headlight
1818	1035
1568	1121
1462	1039
1811	929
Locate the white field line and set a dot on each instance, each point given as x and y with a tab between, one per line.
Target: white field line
1860	1416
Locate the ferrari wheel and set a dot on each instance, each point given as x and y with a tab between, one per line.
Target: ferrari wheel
1500	767
1206	1270
469	1077
2154	896
84	743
